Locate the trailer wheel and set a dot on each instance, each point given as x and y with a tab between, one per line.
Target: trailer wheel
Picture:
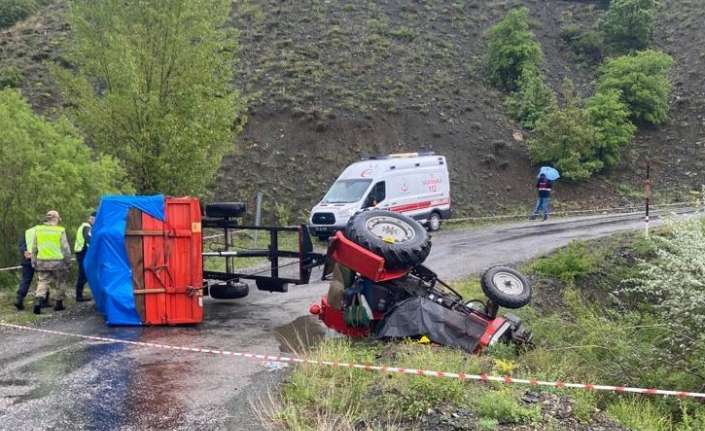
400	240
233	290
225	209
506	287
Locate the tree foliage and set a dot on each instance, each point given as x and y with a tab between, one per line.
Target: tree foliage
532	99
565	138
628	24
45	165
612	128
12	11
154	88
642	79
674	284
511	48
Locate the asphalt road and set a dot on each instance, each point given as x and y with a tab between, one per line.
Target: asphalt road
54	382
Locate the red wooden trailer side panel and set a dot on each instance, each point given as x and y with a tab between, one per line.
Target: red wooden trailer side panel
173	272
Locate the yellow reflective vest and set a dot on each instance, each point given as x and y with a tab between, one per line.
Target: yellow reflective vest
29	238
49	242
80	239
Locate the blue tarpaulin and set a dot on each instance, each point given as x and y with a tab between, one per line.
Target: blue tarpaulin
106	263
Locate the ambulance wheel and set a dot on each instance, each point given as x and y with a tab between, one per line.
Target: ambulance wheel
434	222
400	240
506	287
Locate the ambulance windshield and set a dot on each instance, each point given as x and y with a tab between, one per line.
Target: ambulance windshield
346	191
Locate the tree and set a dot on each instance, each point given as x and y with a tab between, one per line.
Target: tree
511	48
12	11
45	165
532	99
564	138
609	118
154	88
642	79
628	24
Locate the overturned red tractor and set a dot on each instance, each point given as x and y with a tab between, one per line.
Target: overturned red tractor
380	288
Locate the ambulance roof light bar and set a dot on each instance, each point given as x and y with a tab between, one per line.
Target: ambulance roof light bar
400	155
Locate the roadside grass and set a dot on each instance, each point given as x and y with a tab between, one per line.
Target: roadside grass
8	294
9	313
591	337
354	397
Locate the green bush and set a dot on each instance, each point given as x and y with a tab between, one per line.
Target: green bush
628	24
565	138
589	45
613	130
10	77
532	99
45	165
673	284
638	414
642	79
12	11
504	407
511	48
568	264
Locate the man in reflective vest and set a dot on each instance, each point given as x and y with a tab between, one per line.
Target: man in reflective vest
80	247
51	259
25	246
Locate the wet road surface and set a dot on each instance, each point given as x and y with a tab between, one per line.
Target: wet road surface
58	383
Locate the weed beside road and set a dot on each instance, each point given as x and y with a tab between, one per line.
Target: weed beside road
587	328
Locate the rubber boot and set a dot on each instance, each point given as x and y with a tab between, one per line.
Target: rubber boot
45	301
59	306
19	305
37	307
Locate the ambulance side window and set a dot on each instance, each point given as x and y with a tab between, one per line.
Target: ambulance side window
377	195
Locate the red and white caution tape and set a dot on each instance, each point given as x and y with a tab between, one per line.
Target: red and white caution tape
378	368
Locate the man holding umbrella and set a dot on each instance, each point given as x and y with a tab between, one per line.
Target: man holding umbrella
544	185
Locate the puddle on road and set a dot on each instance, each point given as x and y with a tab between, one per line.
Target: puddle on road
300	335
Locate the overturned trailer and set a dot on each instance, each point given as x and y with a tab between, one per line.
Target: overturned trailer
146	261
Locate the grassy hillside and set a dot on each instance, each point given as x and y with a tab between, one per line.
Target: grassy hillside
329	81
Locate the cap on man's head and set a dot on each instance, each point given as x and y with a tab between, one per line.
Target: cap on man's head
93	214
53	215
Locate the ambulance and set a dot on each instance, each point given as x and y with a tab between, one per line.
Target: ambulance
414	184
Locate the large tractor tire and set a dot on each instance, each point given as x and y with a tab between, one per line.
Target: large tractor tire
400	240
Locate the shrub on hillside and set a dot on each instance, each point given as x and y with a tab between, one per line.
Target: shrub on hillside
45	165
10	77
511	48
532	99
642	79
674	283
564	137
568	264
628	24
612	129
12	11
589	45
